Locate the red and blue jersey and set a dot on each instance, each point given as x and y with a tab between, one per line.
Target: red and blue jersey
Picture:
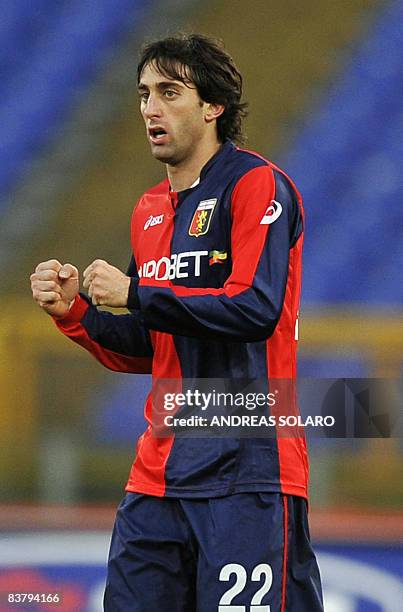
216	278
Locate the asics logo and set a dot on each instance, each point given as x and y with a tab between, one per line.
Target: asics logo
272	213
153	221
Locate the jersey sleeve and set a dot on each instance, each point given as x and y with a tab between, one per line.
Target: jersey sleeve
266	221
120	342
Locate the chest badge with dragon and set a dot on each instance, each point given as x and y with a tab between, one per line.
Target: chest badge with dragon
201	219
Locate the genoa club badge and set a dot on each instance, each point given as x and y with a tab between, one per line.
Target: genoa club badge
202	217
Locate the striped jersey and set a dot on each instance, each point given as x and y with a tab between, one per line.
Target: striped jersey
215	290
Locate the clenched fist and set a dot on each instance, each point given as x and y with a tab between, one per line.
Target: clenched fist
54	286
106	285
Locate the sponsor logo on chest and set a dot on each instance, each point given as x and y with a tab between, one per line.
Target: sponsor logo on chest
200	223
217	257
178	265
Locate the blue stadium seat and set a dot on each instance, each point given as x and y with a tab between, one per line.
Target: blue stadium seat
347	163
50	52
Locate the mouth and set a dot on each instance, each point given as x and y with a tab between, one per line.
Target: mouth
157	135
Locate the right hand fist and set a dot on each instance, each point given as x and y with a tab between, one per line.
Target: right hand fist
54	286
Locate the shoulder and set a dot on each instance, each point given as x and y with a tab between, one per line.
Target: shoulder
244	161
255	167
248	160
159	189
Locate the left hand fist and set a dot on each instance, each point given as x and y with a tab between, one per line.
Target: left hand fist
106	285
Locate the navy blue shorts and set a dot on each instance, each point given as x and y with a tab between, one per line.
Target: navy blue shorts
248	552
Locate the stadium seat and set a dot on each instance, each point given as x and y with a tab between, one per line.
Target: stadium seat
51	51
347	162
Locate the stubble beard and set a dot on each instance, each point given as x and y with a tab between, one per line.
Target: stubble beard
172	158
166	158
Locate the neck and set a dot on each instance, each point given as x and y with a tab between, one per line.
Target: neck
184	174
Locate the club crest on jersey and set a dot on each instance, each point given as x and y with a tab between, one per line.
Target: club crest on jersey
201	219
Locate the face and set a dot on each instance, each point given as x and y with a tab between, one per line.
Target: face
175	117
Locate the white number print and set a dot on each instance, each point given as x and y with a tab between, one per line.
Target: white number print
263	569
241	578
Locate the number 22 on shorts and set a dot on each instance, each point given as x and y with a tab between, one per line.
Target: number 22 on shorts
263	569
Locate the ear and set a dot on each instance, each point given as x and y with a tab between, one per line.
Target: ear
213	111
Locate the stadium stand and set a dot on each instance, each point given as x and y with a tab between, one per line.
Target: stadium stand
68	426
347	162
92	213
51	51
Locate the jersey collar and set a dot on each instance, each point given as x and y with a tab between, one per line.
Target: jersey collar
221	153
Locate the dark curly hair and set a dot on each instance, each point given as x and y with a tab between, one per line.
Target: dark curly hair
204	62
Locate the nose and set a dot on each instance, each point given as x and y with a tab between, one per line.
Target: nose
152	107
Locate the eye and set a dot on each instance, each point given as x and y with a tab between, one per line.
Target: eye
170	93
144	97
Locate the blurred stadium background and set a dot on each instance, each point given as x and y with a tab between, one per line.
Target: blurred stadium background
325	88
